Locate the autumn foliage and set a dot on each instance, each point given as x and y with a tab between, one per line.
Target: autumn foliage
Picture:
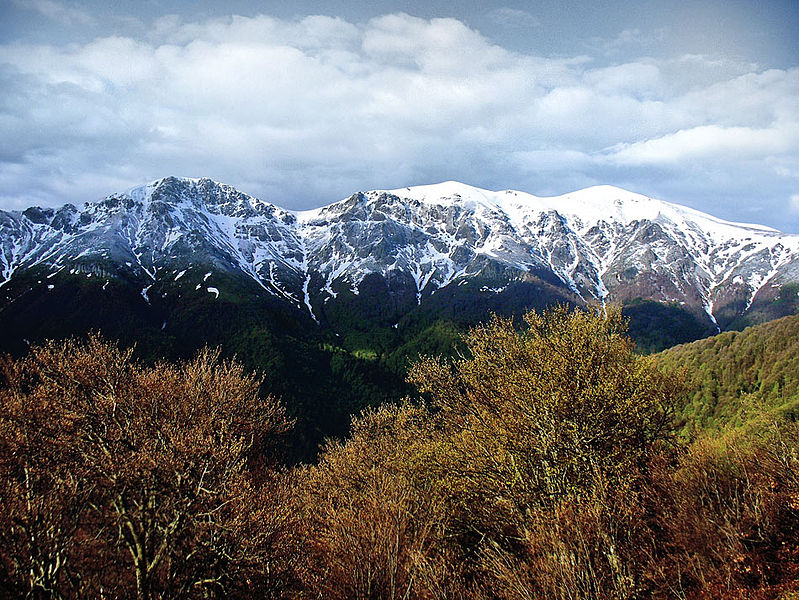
120	480
543	463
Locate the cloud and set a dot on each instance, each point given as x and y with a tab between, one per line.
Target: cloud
303	112
57	11
632	78
710	142
513	17
627	39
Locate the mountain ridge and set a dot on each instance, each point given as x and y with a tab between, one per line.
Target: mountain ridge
598	244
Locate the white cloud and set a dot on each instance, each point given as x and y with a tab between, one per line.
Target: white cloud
306	111
625	40
633	78
710	142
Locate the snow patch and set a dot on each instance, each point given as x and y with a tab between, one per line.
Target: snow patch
497	290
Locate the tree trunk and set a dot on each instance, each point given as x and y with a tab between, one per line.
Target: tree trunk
142	582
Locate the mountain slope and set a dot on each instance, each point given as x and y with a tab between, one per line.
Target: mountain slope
738	369
602	243
381	256
331	304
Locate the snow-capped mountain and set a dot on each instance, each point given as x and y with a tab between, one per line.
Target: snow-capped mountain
597	245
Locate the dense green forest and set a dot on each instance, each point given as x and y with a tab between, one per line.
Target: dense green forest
731	377
543	461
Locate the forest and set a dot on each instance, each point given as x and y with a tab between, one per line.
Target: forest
543	461
731	374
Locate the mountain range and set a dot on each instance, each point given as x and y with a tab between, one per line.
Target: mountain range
600	244
331	304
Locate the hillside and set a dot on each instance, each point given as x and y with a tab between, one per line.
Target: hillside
332	304
542	466
736	369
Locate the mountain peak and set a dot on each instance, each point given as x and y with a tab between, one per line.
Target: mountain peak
598	243
146	190
441	192
195	192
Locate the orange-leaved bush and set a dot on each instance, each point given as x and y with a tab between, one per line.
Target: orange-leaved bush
123	480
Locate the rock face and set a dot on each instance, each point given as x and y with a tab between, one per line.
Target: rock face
601	244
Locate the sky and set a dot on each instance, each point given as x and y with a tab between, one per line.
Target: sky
303	103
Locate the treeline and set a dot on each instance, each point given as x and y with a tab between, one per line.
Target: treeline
731	374
541	464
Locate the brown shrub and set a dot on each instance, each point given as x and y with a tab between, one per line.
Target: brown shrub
729	515
375	514
123	480
533	417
